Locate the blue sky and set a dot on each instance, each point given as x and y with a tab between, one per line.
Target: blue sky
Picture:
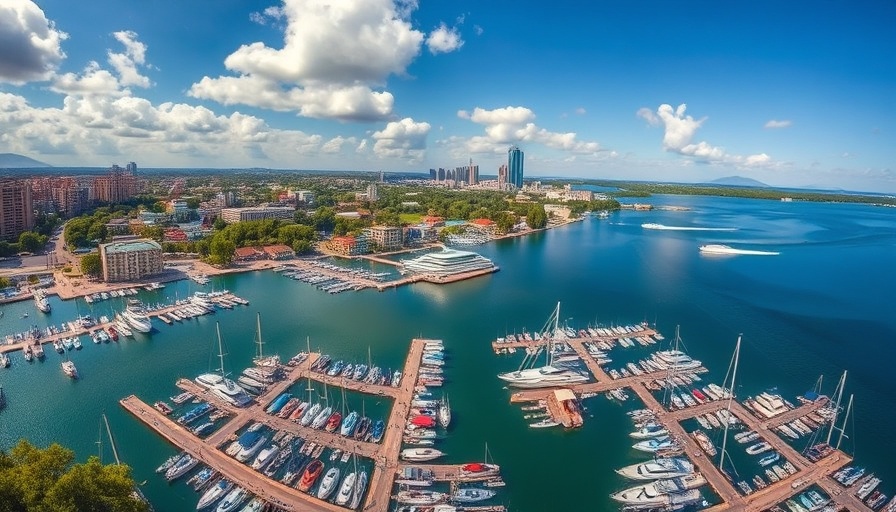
789	93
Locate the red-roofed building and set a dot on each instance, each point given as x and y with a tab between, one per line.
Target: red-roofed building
433	221
175	235
279	252
247	254
349	245
483	223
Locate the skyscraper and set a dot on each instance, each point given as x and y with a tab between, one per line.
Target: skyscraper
515	166
502	177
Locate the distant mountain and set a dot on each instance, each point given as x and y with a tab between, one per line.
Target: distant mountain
10	160
739	181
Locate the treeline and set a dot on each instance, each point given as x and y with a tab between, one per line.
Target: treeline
36	480
34	240
220	246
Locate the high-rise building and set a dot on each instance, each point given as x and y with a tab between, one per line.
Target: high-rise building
117	186
515	166
502	177
372	193
16	208
472	174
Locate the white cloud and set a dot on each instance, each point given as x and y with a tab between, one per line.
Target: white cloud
93	80
479	30
318	64
679	131
774	123
126	63
444	39
509	125
273	13
30	45
405	139
335	144
581	111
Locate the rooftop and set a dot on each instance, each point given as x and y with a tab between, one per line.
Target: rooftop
131	246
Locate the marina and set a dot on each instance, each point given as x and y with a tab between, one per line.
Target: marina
385	455
806	472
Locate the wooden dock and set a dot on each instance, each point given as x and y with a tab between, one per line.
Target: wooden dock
808	472
385	456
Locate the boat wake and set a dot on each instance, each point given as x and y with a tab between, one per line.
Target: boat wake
683	228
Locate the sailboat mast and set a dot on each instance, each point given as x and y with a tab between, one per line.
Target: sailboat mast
220	348
839	393
260	343
736	358
111	440
845	418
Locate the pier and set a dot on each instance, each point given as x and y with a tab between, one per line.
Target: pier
807	473
385	456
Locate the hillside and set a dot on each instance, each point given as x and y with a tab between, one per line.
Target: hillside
12	160
738	181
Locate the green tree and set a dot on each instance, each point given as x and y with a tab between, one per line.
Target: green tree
91	264
192	202
7	249
31	241
36	480
5	282
219	223
324	219
536	217
221	250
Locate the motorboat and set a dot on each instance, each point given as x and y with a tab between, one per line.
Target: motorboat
249	449
265	457
232	500
472	495
214	493
359	488
726	249
181	467
758	448
224	388
136	317
68	367
420	454
661	493
658	469
420	497
348	424
346	490
328	484
312	472
655	444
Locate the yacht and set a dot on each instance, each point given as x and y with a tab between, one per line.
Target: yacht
225	389
419	497
472	495
234	499
447	262
328	484
40	300
663	492
359	489
658	468
135	316
248	450
420	454
181	467
4	360
648	431
675	360
265	457
349	424
68	367
444	413
654	445
346	490
214	493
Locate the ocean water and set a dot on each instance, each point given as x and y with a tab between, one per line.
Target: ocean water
824	305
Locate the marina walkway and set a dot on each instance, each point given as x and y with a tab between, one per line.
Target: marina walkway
385	456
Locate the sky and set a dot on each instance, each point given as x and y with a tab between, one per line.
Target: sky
795	93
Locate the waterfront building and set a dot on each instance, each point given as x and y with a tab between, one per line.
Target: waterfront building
247	254
130	260
117	186
231	215
447	262
16	208
349	245
386	238
279	252
515	167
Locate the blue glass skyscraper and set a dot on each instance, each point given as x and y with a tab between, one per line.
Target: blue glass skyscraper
515	166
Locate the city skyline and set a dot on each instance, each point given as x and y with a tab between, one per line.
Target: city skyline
786	95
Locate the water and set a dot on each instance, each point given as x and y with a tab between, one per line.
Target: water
823	305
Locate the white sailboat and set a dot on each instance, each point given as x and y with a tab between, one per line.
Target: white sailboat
528	376
220	385
260	359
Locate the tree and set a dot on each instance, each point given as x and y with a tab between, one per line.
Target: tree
324	219
7	249
36	480
31	241
192	203
5	282
91	264
536	217
219	223
221	250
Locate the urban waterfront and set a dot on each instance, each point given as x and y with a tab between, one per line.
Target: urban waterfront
822	306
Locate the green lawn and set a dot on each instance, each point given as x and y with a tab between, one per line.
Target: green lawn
410	218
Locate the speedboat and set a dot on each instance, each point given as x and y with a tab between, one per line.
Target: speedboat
328	484
310	475
658	468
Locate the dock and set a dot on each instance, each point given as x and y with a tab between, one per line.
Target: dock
385	455
808	472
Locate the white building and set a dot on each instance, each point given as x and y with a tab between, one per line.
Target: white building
257	213
130	260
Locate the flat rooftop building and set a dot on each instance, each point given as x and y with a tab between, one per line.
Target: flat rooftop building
130	260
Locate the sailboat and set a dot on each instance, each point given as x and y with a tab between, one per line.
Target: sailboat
528	376
444	412
220	385
260	359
